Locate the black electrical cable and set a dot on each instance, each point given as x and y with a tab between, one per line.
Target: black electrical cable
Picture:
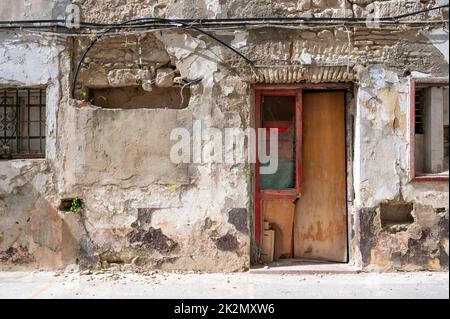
176	23
418	12
80	63
152	26
25	22
195	25
224	44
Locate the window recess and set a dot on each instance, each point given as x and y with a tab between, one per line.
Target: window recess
429	131
22	123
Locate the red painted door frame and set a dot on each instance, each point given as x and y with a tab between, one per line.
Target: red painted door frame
296	90
290	194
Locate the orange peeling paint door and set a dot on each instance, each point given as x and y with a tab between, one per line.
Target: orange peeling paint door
320	224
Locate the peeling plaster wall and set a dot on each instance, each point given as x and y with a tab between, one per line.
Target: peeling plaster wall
139	207
31	230
382	176
33	9
141	210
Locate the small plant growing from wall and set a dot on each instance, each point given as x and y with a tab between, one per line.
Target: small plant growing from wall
76	205
84	94
70	205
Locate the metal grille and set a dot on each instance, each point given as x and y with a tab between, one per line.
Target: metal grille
419	109
22	123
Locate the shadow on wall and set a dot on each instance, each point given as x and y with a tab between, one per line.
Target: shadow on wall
134	97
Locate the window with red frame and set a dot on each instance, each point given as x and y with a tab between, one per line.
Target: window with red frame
431	120
278	112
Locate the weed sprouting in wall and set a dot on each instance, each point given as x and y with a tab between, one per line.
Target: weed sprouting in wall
76	205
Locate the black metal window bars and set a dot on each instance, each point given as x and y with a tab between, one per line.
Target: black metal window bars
22	123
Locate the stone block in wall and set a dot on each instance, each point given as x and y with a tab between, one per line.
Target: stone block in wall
304	5
164	77
308	35
127	77
325	35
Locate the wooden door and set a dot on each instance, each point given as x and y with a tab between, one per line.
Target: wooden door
320	224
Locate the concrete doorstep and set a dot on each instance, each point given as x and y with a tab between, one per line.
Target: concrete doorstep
303	267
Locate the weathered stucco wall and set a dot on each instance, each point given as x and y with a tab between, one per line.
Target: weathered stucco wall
31	230
140	209
382	177
137	203
33	9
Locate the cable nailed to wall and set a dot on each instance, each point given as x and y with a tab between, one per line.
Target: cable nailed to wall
199	25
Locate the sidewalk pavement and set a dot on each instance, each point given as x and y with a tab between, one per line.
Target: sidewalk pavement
40	284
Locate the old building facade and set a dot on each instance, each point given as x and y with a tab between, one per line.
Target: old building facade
367	87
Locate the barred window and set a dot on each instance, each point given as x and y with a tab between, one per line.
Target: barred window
22	123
